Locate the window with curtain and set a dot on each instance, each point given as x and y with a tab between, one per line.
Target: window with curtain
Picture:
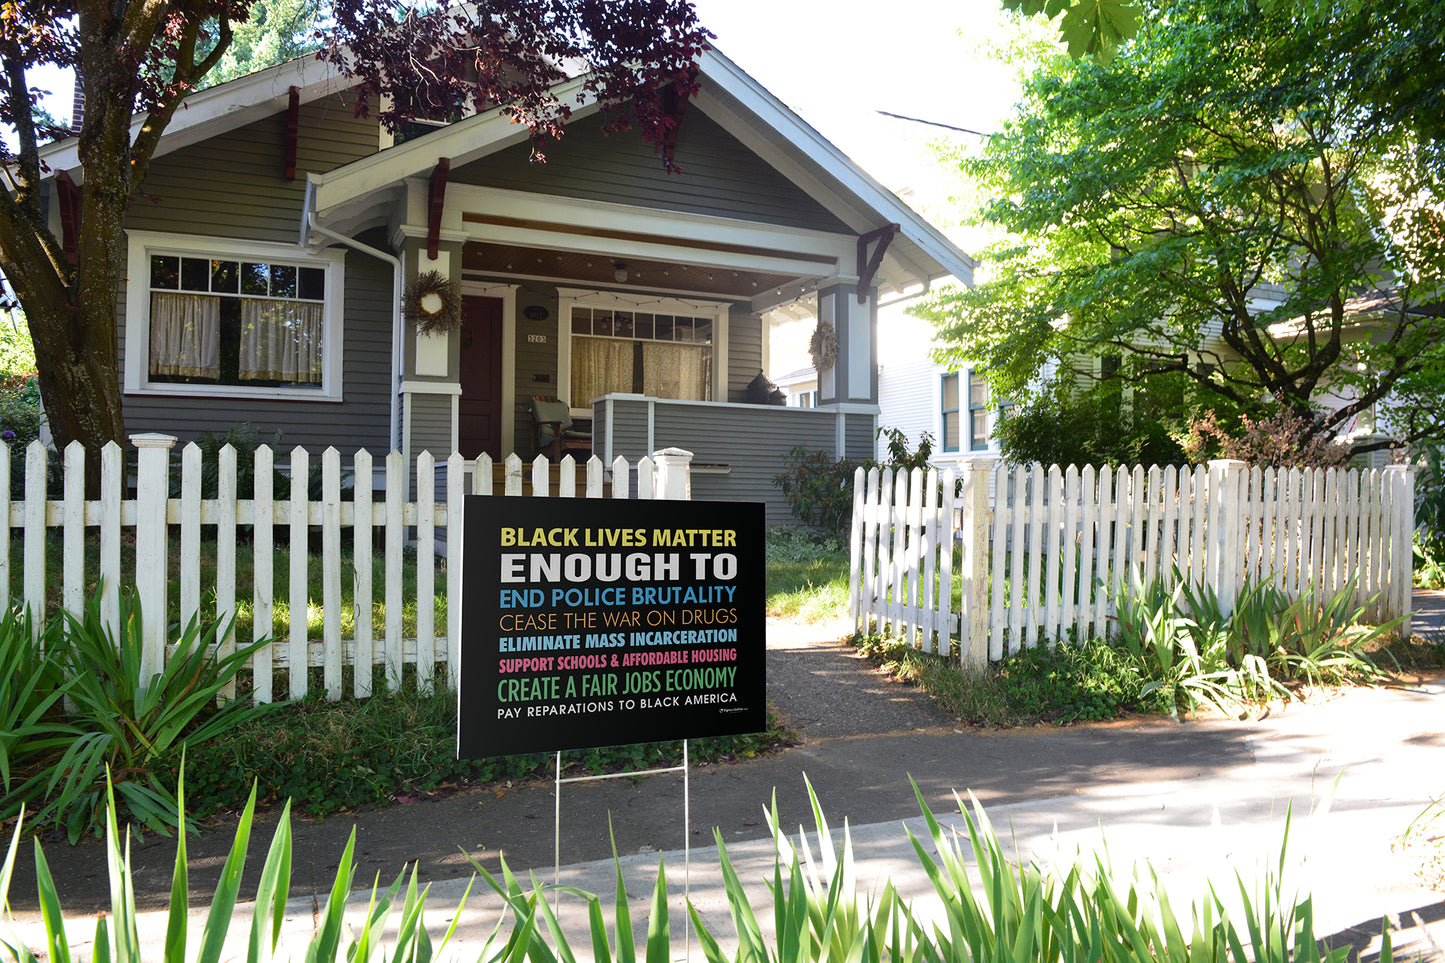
658	355
216	321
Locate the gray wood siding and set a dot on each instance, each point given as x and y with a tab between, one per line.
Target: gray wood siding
536	361
629	430
431	425
360	420
745	352
750	440
234	185
719	175
858	436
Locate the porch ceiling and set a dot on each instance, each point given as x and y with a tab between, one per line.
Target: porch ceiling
572	267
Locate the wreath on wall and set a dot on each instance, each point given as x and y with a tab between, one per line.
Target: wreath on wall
433	302
824	346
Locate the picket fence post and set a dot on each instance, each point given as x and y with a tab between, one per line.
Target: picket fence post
152	553
974	618
1222	565
674	474
1401	540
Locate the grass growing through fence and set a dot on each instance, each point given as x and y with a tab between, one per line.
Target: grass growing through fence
245	580
807	577
1173	652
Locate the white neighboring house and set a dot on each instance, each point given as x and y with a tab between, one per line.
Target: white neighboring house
915	393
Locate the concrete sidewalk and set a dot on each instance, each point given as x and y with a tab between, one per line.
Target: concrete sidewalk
1200	801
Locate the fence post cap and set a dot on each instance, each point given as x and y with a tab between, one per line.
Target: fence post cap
1227	464
153	439
680	454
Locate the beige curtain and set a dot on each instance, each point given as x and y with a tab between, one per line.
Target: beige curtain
600	366
186	335
682	371
281	341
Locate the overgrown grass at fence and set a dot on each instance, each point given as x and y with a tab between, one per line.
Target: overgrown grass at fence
245	579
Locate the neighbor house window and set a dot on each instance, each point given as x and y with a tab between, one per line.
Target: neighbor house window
804	399
951	416
206	316
984	412
660	348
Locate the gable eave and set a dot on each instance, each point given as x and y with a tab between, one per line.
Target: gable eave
225	107
802	154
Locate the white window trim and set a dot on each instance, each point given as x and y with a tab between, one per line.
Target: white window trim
941	416
142	244
569	298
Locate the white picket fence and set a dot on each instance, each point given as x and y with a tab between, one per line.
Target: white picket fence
150	514
1047	553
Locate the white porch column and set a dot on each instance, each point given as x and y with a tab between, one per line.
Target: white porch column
854	376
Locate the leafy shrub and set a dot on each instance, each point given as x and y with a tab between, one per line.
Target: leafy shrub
900	455
1284	439
1086	681
819	488
116	722
1062	426
1192	654
20	414
1430	522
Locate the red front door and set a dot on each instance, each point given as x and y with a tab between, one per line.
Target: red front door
479	425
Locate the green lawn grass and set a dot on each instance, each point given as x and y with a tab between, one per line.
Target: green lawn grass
244	585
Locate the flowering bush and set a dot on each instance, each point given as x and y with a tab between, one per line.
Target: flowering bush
1285	439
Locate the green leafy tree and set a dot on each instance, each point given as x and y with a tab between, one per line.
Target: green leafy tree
1103	425
1226	153
275	32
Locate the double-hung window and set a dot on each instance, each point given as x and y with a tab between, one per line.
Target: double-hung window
233	318
951	420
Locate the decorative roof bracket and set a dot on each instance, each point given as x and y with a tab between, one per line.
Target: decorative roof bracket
868	266
68	198
293	128
675	103
437	196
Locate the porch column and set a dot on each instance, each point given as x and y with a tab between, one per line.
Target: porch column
854	375
850	386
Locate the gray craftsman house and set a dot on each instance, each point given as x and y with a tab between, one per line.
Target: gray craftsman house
279	233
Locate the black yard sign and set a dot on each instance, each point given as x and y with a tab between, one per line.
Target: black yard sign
593	622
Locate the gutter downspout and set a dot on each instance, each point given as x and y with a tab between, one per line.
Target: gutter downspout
393	438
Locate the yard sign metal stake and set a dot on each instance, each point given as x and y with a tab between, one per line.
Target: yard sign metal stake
686	828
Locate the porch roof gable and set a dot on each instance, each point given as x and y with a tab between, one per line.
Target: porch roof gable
918	255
